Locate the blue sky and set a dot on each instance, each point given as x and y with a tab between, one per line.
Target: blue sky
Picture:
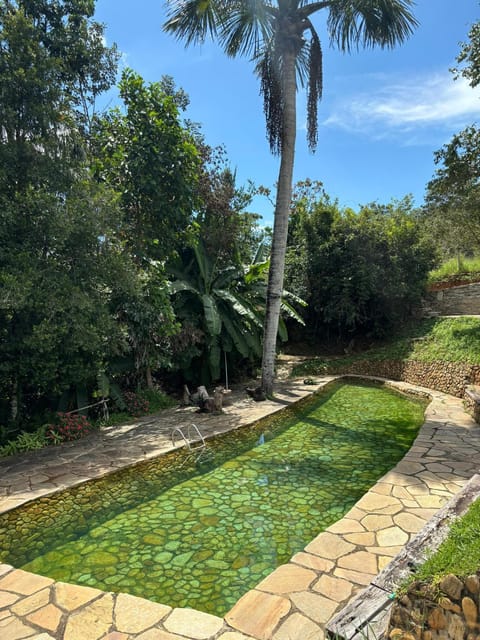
382	116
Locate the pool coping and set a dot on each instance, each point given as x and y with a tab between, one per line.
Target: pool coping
298	598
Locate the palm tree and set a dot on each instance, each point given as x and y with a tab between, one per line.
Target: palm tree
281	39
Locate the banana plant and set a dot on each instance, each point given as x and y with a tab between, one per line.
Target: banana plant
228	303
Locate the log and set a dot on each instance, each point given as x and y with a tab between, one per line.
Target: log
218	399
257	393
366	616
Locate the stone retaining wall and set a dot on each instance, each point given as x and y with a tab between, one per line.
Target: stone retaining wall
463	300
435	612
447	377
454	378
472	402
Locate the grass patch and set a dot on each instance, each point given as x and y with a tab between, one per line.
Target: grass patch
457	269
435	339
459	553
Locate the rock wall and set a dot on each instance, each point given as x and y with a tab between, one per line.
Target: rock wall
463	300
448	377
472	402
449	610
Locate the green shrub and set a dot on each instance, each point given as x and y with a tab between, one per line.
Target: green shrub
135	404
25	442
156	399
68	427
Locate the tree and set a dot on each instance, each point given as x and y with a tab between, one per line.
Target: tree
229	233
281	38
55	324
224	302
469	57
452	211
148	156
361	273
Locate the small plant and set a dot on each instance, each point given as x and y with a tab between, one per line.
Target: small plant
157	400
68	427
25	442
135	404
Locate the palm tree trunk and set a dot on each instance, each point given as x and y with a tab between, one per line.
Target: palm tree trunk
280	226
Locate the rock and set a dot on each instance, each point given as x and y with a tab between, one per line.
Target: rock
417	631
399	634
400	617
448	605
472	583
451	586
437	620
470	611
456	628
427	635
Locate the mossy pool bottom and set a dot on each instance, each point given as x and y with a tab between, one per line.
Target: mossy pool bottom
210	538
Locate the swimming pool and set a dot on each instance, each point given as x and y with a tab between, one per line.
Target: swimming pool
202	534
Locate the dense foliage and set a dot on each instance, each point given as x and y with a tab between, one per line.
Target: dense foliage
361	273
452	212
54	317
128	250
92	207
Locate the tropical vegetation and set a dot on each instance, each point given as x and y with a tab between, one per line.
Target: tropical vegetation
131	261
282	40
431	340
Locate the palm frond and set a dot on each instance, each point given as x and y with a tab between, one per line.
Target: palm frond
368	23
192	20
245	26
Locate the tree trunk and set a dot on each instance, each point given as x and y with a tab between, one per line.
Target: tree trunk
149	377
280	226
14	401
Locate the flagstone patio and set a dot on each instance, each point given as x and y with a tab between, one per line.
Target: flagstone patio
297	599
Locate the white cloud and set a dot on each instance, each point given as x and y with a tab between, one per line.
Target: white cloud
411	106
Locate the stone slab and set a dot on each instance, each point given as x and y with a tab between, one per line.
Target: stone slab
257	614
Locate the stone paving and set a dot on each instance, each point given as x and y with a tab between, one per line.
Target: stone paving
297	599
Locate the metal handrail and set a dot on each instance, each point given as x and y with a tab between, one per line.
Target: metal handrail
189	439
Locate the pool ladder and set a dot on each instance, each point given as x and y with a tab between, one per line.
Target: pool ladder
193	439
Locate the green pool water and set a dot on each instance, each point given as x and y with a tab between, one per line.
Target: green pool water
231	520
